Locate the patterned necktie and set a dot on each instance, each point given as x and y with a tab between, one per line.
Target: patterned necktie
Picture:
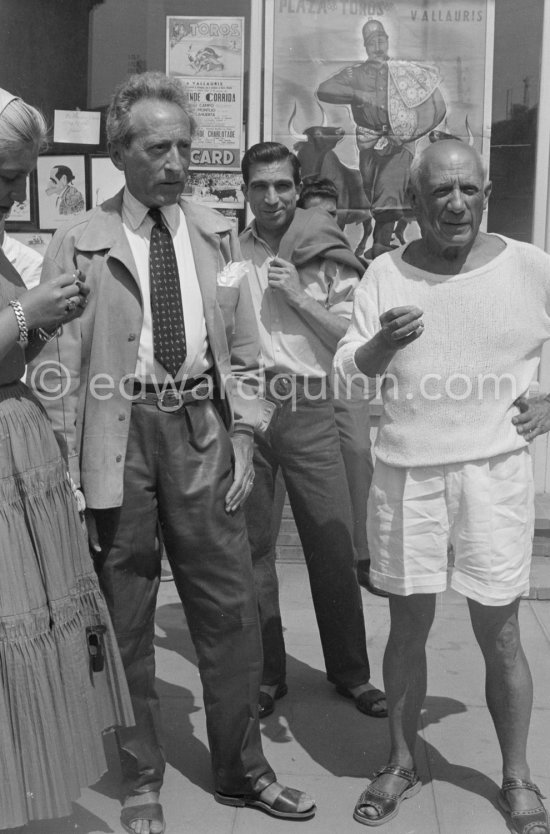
166	307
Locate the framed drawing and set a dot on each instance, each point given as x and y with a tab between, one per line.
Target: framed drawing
37	241
21	214
61	186
105	179
25	250
357	90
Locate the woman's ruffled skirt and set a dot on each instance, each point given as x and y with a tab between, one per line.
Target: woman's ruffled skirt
53	705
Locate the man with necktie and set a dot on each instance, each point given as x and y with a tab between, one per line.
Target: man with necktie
156	402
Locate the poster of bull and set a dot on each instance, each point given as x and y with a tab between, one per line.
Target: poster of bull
356	87
215	189
220	190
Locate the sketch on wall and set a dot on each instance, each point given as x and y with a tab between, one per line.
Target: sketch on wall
61	189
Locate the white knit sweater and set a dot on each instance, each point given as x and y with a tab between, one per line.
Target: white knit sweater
448	397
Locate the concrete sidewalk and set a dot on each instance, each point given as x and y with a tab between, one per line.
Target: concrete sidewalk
317	740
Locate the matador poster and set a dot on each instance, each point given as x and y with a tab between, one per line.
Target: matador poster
357	87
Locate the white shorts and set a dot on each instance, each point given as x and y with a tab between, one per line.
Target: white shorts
484	508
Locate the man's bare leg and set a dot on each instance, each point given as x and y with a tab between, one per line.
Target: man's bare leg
405	681
509	692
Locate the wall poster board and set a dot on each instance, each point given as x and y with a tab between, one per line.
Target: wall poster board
206	54
357	87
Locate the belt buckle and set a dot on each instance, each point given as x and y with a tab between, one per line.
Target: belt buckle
163	399
283	386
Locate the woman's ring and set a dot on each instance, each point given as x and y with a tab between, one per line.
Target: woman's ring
70	306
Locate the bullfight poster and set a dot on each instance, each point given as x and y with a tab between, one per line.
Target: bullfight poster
356	87
207	55
216	189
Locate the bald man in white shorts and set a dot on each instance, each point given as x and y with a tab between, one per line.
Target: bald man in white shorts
449	329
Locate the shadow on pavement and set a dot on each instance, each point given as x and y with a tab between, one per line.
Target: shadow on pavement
326	726
184	751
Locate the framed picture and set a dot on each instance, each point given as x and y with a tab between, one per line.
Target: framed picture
61	186
38	241
21	214
216	189
105	180
25	250
324	94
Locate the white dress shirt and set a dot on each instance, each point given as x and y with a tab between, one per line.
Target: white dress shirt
137	227
290	344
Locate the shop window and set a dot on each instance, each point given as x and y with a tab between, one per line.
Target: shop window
516	90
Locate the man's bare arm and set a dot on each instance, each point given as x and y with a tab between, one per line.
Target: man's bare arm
329	327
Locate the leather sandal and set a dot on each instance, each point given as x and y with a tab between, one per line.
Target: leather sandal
150	811
366	701
522	822
284	806
386	804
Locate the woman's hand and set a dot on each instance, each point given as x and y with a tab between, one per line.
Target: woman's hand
55	302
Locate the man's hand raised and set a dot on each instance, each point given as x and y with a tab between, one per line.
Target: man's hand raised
400	326
283	277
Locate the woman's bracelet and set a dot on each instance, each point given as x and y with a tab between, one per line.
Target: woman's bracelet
21	322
